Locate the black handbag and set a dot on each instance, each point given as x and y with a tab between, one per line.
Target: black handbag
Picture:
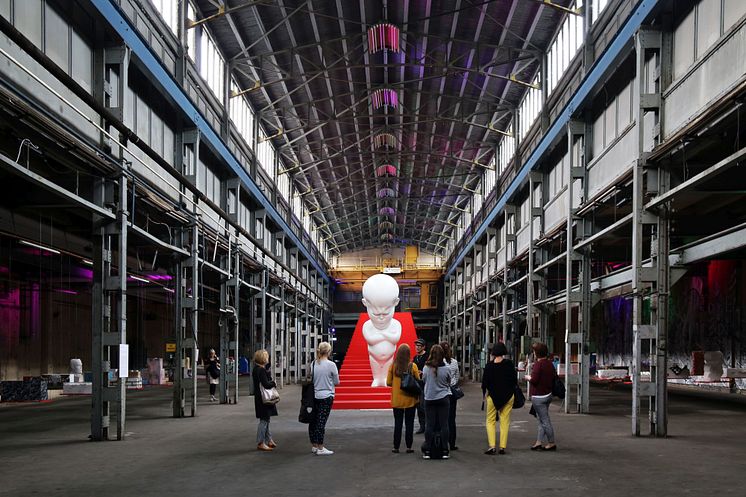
519	400
558	388
456	392
307	395
409	383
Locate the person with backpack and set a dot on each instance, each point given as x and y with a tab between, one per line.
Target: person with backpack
498	387
541	381
403	403
437	378
212	372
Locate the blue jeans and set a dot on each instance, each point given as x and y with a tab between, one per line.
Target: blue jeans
546	431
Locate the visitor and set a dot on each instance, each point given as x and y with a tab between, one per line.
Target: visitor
212	373
499	380
437	378
325	378
403	403
260	376
541	380
451	364
419	360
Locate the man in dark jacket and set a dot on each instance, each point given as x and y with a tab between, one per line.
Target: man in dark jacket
419	359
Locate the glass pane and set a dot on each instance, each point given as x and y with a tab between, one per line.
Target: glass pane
734	11
82	66
708	25
27	14
5	9
683	47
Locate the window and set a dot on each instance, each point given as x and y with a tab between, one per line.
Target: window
283	186
506	151
265	153
565	46
598	7
169	12
242	116
211	64
530	108
191	33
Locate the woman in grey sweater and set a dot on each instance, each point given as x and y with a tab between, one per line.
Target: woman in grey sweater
325	378
437	378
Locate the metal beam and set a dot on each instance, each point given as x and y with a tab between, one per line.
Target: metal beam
156	71
618	47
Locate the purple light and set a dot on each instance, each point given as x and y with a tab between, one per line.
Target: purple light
84	273
64	290
159	277
387	237
387	211
384	97
386	193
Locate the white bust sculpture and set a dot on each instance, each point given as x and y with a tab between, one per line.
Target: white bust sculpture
381	331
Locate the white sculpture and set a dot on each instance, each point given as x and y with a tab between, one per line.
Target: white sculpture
714	362
381	331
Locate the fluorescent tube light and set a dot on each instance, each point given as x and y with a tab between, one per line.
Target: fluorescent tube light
41	247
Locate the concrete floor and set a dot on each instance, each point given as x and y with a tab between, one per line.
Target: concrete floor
44	451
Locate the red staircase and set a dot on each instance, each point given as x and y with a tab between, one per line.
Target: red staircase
354	390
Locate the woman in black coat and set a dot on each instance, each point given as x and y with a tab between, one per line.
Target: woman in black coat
260	375
499	380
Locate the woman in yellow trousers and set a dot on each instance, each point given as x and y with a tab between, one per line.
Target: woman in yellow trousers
498	387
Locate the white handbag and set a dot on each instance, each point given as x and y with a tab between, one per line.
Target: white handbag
270	396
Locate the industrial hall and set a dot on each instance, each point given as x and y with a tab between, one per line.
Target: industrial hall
372	247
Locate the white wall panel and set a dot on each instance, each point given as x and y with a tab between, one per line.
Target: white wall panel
555	212
614	163
733	11
714	76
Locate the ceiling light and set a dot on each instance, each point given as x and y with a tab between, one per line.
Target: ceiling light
386	170
384	97
41	247
137	278
382	140
386	193
383	36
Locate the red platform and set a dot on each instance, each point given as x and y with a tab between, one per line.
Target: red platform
354	390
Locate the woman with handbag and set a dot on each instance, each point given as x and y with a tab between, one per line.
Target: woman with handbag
456	393
403	403
499	381
325	378
260	377
212	372
541	380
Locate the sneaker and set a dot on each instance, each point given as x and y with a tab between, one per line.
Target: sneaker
212	398
314	450
446	456
323	451
426	456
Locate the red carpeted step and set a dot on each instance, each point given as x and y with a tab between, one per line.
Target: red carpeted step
361	404
354	390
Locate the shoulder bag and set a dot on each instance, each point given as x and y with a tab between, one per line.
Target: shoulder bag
307	394
518	398
409	383
558	388
456	392
270	396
